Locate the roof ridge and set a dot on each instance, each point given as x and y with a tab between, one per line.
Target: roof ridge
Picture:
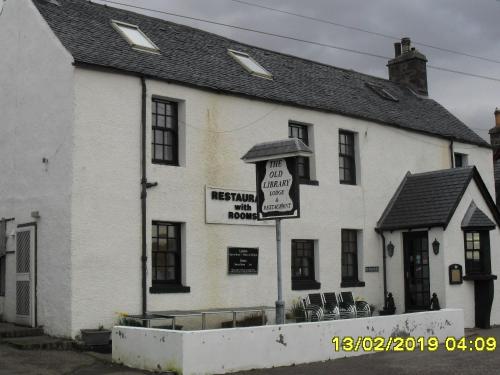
443	171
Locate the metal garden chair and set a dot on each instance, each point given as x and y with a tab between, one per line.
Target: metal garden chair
346	311
312	313
362	307
329	312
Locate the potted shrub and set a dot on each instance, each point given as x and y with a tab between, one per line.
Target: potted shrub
96	337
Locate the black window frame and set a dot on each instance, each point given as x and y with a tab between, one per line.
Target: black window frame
155	252
482	265
347	154
462	158
156	119
349	245
304	282
298	127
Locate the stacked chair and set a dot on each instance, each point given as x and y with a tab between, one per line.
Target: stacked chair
347	310
362	307
330	312
312	313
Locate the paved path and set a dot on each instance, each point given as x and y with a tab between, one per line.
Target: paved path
416	363
43	362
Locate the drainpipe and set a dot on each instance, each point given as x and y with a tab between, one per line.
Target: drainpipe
144	186
144	182
384	267
452	154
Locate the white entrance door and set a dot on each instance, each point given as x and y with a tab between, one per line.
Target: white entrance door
25	271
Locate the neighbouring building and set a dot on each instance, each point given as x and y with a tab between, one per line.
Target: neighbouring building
121	138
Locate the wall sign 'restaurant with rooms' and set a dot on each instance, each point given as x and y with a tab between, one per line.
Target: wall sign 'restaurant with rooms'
242	260
228	206
278	189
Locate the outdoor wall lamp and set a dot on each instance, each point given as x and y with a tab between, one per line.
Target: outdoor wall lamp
390	249
435	246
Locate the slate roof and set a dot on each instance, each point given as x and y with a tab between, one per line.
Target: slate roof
290	146
475	218
198	58
429	199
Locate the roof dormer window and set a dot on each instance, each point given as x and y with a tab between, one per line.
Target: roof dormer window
135	37
250	65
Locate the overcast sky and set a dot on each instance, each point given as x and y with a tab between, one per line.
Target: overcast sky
463	25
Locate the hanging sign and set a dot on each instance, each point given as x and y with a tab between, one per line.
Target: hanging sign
277	189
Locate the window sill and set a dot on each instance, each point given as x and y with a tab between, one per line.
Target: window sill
163	162
348	183
160	289
480	276
352	284
308	182
305	285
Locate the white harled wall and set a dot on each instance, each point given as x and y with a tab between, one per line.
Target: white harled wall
215	131
36	117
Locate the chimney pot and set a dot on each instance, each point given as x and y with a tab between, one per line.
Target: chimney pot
397	49
406	42
497	118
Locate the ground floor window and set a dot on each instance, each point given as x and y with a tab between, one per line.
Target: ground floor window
477	248
349	255
166	253
303	265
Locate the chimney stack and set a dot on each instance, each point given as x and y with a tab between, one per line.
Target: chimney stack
495	136
409	67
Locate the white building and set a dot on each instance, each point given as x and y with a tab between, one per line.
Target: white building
86	89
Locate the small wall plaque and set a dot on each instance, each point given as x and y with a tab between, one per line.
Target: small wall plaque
371	269
242	260
455	274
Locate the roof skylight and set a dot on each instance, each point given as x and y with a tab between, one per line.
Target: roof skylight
252	66
382	92
136	38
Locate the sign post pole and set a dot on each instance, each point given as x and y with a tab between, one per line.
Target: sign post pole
278	191
280	304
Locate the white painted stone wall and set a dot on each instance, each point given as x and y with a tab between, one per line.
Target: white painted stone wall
229	350
36	118
214	134
87	123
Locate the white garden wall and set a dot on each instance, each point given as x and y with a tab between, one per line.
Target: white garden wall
229	350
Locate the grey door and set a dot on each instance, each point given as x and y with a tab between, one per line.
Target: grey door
417	282
25	271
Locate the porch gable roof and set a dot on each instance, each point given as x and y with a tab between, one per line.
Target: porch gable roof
426	200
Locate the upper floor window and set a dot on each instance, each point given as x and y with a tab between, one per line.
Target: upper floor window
460	160
135	37
165	137
301	132
347	158
349	255
477	248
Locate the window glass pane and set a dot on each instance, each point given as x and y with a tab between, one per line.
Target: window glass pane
158	151
468	236
470	245
468	255
172	232
162	230
476	236
476	255
169	153
162	244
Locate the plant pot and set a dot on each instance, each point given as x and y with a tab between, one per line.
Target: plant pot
96	337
